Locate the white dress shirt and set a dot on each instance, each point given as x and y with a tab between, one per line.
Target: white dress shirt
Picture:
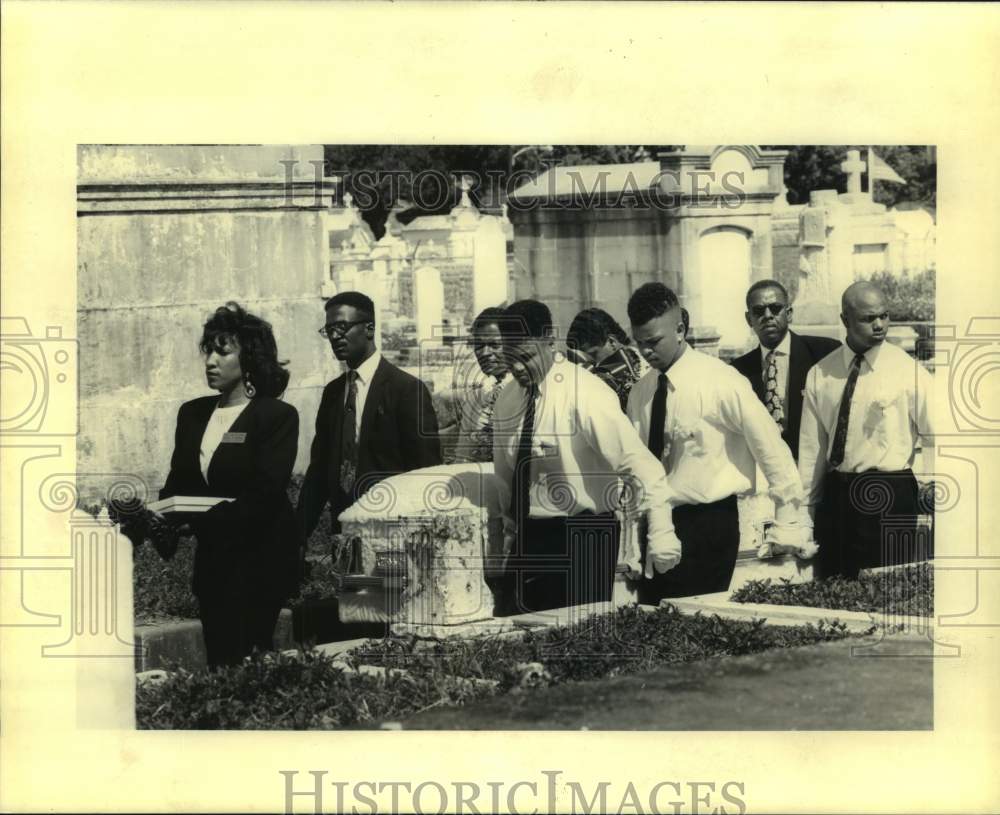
716	432
366	370
219	422
889	413
580	444
782	355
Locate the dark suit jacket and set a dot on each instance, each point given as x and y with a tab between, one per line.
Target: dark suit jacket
805	352
246	547
399	433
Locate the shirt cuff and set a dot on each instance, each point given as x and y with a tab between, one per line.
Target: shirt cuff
787	512
660	520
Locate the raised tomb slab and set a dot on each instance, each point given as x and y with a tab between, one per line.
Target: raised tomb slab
442	528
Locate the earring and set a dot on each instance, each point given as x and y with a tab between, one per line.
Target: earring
248	387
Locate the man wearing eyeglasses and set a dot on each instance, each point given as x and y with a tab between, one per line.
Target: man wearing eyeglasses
374	420
777	368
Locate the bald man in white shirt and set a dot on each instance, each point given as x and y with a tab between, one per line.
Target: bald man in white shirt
701	419
866	408
561	445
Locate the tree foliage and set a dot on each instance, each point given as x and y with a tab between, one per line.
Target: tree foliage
810	167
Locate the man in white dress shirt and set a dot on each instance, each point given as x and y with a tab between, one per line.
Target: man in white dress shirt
560	445
865	408
702	420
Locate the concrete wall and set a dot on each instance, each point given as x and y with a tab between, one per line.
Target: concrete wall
180	231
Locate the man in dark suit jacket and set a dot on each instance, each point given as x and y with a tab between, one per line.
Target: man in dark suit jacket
777	368
373	421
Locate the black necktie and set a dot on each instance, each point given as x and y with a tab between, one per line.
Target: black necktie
348	436
658	417
519	493
844	415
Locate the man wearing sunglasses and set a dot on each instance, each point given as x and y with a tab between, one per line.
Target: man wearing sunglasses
374	420
777	368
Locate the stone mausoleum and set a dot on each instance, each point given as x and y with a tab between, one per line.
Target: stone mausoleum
707	221
165	235
698	219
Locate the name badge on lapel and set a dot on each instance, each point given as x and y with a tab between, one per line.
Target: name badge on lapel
233	438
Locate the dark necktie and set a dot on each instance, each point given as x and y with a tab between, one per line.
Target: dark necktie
519	493
771	398
844	415
348	436
658	418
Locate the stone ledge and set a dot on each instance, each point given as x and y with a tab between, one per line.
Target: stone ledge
776	569
856	621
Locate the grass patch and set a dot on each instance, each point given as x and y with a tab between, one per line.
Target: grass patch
308	691
320	542
904	590
301	692
161	590
321	581
624	641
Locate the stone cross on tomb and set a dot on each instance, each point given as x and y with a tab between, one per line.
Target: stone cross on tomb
348	200
466	184
853	166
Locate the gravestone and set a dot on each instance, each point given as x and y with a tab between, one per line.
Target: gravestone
428	302
825	263
371	282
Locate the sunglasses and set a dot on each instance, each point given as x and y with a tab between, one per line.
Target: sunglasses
774	308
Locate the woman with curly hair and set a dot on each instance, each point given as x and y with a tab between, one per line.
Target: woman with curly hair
240	445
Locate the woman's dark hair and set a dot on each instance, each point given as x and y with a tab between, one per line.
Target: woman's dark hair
593	326
258	349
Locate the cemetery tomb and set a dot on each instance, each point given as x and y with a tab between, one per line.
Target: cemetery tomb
423	544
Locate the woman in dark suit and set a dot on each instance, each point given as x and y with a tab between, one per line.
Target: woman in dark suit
241	445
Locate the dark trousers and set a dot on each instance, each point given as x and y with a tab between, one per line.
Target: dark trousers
710	538
869	519
232	627
561	562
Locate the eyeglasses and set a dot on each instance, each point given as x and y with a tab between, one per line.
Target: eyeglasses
339	329
774	308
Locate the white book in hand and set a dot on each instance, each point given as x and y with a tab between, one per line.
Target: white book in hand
186	503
